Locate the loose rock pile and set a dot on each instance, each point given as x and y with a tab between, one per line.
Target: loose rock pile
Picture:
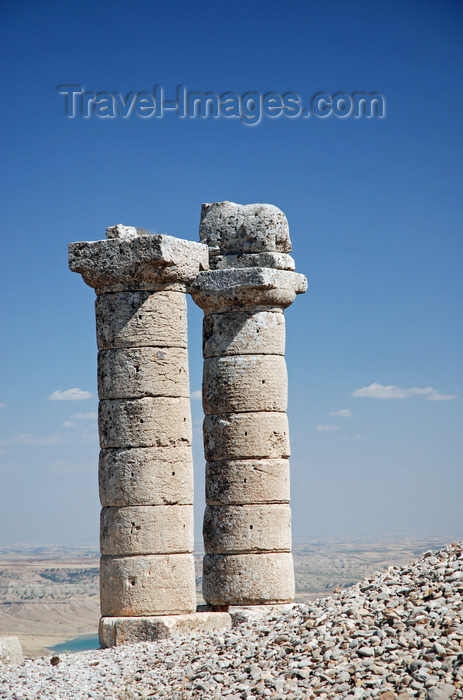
398	634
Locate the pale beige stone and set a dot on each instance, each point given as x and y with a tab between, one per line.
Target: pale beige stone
121	232
114	631
247	481
11	651
244	333
245	383
139	261
131	530
141	318
246	435
228	227
255	287
126	373
146	476
247	528
147	585
248	579
149	422
280	261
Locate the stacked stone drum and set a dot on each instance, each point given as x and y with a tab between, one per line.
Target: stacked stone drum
247	523
145	472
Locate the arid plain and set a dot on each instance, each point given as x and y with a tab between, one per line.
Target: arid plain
50	594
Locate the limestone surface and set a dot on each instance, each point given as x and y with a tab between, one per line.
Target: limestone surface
280	261
147	585
148	422
247	528
145	468
146	476
132	530
114	631
11	651
244	333
139	262
122	232
246	435
126	373
246	481
245	383
248	579
219	290
230	228
141	318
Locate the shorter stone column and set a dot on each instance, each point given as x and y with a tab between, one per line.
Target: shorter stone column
247	522
146	470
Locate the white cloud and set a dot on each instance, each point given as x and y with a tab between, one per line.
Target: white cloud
344	413
68	424
379	391
327	428
196	395
70	395
2	405
92	415
441	397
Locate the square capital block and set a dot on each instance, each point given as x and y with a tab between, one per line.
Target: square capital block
139	262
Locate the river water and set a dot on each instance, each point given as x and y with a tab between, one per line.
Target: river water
83	643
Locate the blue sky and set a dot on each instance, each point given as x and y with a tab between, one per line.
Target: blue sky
374	207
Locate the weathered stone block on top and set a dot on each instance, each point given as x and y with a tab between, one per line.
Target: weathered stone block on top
125	232
216	290
248	579
143	318
146	530
242	481
246	435
137	262
244	333
161	584
114	631
247	528
230	228
146	476
127	373
245	383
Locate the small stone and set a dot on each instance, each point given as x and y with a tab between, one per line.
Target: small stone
387	695
437	693
366	651
55	660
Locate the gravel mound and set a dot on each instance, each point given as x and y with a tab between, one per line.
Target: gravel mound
398	634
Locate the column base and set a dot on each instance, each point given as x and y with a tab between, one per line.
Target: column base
114	631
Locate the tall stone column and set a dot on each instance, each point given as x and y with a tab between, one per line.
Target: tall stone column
247	523
145	471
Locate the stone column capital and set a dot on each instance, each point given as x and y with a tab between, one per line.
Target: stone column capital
249	287
126	262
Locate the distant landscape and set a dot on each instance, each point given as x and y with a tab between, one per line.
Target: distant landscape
50	594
